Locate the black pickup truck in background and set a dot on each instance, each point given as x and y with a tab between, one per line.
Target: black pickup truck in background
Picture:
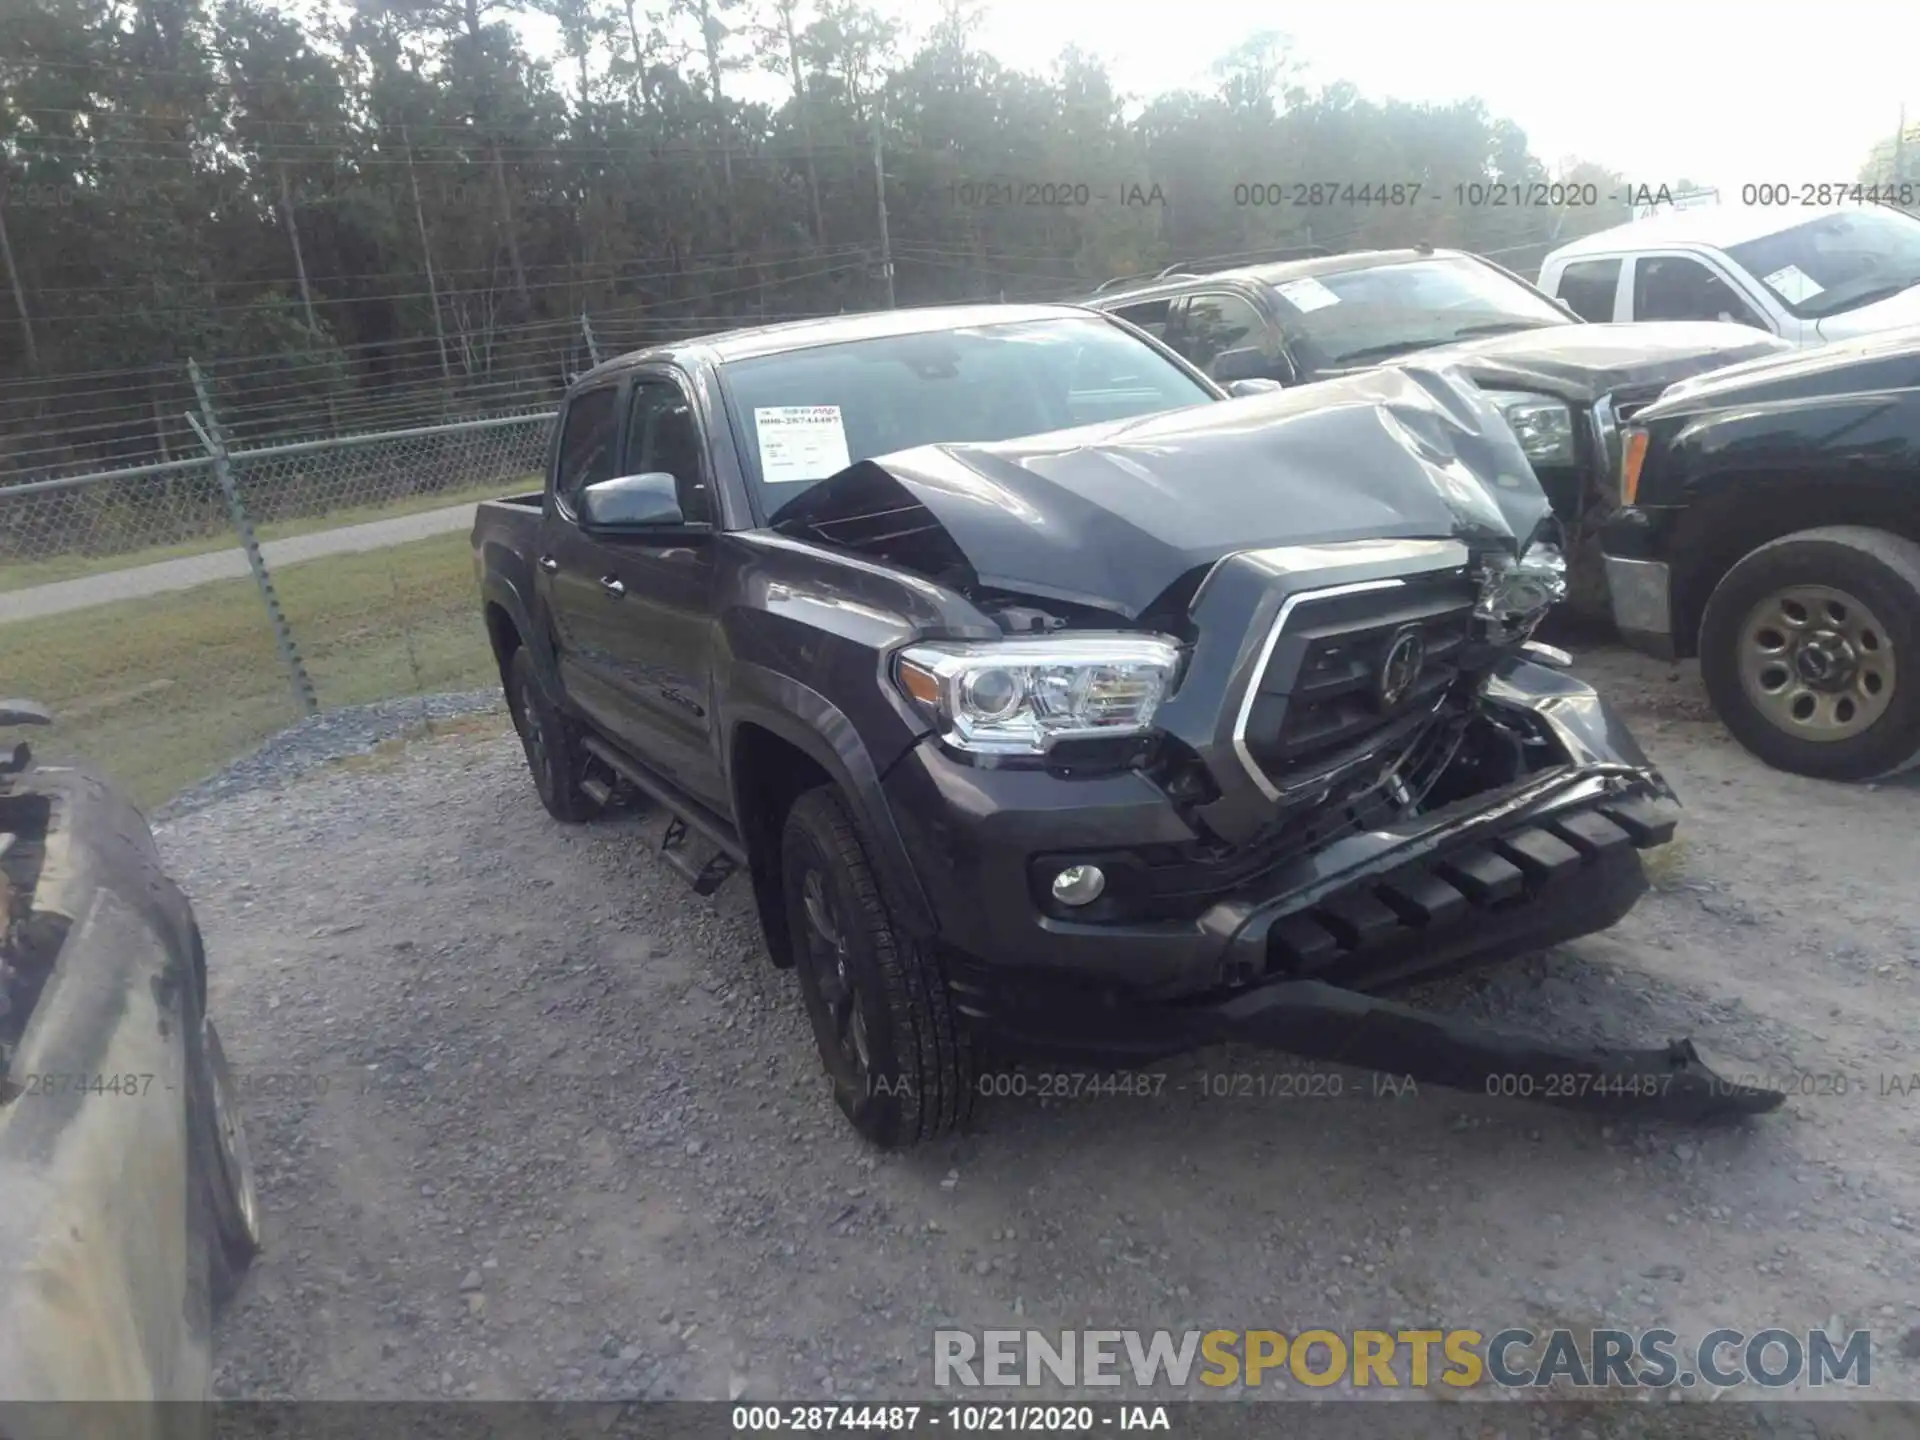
1771	527
1184	718
1566	385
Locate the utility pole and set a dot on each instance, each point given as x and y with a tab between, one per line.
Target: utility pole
300	270
293	238
880	191
13	279
506	222
426	253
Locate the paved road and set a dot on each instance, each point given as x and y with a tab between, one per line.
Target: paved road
184	574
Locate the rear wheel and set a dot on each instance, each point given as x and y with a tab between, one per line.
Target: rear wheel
551	741
902	1067
1810	650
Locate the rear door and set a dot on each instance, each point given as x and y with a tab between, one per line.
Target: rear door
572	568
1594	289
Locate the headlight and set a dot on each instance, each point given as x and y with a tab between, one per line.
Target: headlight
1543	425
1019	696
1523	589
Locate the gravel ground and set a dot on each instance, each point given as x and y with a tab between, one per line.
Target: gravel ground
532	1121
322	739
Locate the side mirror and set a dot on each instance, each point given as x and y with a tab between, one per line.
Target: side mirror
1249	362
627	501
1256	386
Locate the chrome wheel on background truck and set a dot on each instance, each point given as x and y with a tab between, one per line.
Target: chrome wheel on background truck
1810	649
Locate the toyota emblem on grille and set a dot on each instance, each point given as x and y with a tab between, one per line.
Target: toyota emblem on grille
1401	669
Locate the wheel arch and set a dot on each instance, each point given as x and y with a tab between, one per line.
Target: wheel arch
1721	530
781	745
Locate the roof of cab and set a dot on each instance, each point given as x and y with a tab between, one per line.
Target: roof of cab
724	346
1272	273
1715	225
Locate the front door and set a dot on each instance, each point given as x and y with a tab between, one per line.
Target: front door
657	588
1685	287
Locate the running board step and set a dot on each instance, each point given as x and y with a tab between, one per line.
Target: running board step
705	877
725	855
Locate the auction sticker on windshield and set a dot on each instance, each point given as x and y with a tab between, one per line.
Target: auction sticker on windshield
800	442
1307	294
1792	284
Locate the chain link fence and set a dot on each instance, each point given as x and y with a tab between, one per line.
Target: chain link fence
172	616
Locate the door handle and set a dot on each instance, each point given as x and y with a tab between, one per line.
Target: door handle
611	584
549	564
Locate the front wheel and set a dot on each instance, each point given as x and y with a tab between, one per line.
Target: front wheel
902	1068
225	1169
1810	650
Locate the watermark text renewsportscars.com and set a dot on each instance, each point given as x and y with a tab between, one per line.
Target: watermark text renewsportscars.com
1772	1358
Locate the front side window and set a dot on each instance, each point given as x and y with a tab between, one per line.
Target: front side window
807	414
1588	288
587	444
1837	262
662	435
1676	287
1211	325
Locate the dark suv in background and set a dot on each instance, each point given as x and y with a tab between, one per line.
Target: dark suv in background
1564	384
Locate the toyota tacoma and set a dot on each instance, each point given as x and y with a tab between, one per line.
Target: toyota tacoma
1054	698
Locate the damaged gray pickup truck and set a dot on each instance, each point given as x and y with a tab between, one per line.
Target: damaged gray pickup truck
127	1204
1054	697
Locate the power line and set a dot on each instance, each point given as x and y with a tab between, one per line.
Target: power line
505	288
618	267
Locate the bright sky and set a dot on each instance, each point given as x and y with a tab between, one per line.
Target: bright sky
1791	92
1724	94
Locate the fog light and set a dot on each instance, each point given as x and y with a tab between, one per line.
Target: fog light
1079	884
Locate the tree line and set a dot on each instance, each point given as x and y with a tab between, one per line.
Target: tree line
397	213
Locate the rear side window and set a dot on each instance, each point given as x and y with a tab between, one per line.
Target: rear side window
1588	287
587	444
1151	317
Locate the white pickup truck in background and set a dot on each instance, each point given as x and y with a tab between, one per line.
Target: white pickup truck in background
1807	274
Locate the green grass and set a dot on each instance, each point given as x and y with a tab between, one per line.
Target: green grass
19	574
160	692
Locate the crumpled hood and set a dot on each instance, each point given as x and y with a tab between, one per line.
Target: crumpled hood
1111	515
1580	363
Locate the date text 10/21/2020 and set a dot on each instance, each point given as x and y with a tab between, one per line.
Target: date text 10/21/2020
1287	193
906	1419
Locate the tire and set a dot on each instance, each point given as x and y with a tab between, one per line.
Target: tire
902	1067
1810	650
551	742
224	1170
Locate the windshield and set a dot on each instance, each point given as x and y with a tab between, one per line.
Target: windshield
1837	262
1357	315
810	413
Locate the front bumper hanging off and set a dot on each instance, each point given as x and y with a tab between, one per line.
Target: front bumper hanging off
1317	1021
1545	876
1301	960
